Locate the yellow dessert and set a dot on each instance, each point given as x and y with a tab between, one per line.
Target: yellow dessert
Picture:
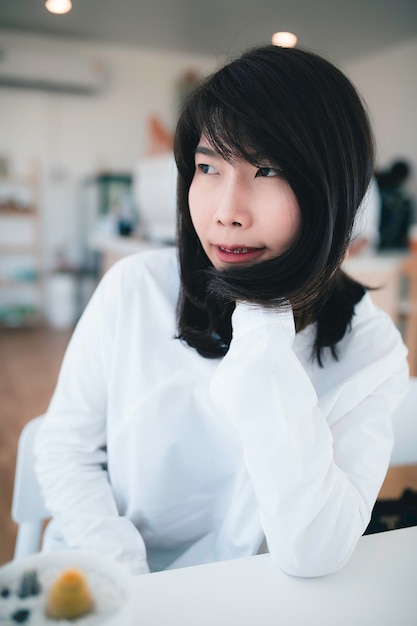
69	596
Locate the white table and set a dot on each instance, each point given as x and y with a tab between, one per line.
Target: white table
378	587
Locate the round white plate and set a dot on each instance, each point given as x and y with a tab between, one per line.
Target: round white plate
110	584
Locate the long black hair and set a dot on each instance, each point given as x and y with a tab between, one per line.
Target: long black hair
301	114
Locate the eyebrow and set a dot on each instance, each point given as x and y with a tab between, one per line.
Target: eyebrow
206	151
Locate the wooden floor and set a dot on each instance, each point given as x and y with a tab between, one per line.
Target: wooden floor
29	365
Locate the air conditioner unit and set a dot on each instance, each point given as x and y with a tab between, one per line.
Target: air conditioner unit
50	72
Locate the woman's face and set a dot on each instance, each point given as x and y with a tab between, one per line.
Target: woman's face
242	213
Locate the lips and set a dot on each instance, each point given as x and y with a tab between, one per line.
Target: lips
238	253
238	249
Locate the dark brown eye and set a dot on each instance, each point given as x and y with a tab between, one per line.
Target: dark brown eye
206	169
267	172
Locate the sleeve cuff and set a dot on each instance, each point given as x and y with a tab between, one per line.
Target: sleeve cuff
248	317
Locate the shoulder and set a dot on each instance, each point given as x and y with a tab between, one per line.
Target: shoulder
141	280
372	361
138	292
368	318
371	349
373	345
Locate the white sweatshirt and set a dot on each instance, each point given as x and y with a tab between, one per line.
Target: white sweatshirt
207	457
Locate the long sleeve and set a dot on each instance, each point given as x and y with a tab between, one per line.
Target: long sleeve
71	446
315	469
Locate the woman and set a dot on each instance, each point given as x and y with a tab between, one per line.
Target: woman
246	392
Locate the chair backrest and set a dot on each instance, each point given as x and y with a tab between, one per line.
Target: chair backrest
405	428
28	509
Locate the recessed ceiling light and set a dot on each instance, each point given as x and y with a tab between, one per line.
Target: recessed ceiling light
58	6
285	40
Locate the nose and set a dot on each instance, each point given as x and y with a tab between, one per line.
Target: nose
233	206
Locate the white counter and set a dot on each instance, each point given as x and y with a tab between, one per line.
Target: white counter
113	247
378	587
383	272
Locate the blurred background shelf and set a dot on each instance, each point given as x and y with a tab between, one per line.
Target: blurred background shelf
22	276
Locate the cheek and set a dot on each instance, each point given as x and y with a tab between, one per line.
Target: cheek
293	220
287	215
291	215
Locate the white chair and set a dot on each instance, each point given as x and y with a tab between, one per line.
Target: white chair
28	509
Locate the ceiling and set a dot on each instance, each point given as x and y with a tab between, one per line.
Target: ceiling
340	29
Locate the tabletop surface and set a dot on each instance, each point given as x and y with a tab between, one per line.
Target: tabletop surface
378	587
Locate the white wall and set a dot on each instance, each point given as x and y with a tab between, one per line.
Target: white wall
388	83
75	136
